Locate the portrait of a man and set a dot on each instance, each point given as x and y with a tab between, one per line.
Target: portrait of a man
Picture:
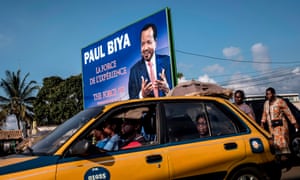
151	75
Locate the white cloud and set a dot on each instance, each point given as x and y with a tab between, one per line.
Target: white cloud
289	82
296	71
245	83
284	80
216	68
182	80
206	78
261	57
232	53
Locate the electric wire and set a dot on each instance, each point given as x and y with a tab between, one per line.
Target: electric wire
235	60
273	76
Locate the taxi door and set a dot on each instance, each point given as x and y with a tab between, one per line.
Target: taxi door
139	163
193	154
208	158
148	161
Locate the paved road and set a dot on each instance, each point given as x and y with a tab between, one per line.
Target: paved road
292	174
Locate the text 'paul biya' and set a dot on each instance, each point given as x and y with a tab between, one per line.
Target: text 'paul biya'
113	46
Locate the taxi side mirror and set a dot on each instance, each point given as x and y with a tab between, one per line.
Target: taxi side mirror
79	148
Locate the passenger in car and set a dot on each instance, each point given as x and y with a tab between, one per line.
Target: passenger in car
130	134
111	128
202	125
148	125
100	137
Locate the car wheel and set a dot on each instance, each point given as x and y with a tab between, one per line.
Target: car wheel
250	173
295	145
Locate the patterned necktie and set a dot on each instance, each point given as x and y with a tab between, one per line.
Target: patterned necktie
152	77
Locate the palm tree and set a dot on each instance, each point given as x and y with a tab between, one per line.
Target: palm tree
19	97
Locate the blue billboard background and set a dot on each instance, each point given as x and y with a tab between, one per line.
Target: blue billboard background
106	63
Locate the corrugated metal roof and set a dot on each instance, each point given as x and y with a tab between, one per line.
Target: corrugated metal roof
10	134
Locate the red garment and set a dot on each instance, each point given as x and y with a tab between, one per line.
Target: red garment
132	144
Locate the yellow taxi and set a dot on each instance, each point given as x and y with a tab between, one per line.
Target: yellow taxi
232	146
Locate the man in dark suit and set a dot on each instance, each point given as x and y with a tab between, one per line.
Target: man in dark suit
150	76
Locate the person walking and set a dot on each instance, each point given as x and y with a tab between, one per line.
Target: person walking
275	114
239	97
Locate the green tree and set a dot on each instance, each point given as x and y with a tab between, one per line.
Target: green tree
179	75
58	100
19	97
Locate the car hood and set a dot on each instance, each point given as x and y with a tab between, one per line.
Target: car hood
14	159
19	162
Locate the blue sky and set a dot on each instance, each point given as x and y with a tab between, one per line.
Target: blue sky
247	45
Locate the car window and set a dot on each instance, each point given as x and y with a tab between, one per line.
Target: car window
183	120
62	133
180	120
220	123
223	120
123	128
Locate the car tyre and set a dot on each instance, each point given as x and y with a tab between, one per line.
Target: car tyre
247	173
295	145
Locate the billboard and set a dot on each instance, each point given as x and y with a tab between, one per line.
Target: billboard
113	67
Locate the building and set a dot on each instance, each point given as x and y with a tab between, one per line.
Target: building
9	139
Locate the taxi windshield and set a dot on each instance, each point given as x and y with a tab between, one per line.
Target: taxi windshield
62	133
